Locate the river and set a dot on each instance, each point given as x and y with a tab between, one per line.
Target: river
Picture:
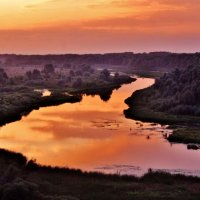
94	135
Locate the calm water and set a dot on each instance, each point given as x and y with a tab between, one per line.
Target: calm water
95	135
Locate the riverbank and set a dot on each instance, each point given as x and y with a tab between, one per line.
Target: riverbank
18	101
186	128
104	91
92	90
14	105
186	135
28	180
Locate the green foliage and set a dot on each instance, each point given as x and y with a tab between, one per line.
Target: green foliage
173	99
177	92
185	135
49	69
105	74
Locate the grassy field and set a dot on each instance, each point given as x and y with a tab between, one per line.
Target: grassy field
185	135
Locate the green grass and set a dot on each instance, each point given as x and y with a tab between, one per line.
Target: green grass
185	135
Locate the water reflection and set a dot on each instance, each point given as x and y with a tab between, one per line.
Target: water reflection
94	135
44	92
105	96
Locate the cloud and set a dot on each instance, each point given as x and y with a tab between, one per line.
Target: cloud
144	3
80	40
124	4
182	20
71	125
36	5
153	25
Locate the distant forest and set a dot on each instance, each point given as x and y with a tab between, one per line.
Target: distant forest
177	92
156	61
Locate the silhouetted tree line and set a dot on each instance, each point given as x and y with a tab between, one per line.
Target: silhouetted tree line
3	77
162	61
177	92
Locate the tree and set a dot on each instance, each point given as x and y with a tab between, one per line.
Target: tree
188	97
105	74
29	75
3	76
78	83
87	74
86	68
68	79
49	69
72	73
105	95
78	73
116	75
67	65
36	74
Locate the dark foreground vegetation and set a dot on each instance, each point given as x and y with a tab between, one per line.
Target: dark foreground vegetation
23	179
20	94
173	99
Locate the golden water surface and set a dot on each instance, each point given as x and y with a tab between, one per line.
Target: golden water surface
95	135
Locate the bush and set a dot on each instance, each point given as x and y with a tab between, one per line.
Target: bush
177	92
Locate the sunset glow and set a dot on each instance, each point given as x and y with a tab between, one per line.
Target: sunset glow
82	26
84	135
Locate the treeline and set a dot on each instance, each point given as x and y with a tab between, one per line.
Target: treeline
177	92
77	77
3	77
156	61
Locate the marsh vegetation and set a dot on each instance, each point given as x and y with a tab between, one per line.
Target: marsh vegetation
173	99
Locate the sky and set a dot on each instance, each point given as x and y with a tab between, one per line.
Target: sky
99	26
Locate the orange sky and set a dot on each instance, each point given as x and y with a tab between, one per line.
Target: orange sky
91	26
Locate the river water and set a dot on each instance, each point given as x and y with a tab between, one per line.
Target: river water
94	135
